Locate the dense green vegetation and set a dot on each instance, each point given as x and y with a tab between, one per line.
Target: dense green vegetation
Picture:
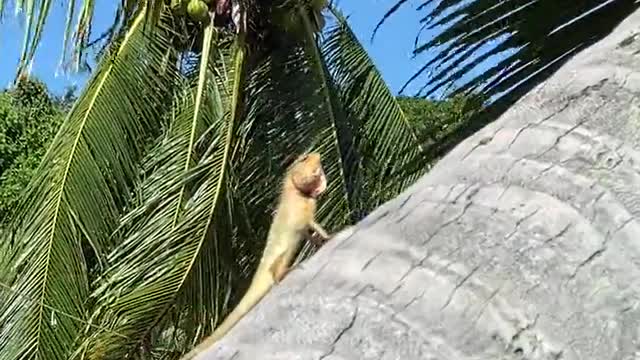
29	118
434	120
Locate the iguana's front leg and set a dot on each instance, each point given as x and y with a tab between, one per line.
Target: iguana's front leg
319	235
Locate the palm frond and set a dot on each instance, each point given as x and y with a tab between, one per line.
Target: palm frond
27	43
36	12
386	141
75	198
154	9
336	139
169	265
523	40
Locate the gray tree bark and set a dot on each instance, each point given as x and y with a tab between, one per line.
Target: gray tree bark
522	243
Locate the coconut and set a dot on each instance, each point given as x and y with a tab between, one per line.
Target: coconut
198	10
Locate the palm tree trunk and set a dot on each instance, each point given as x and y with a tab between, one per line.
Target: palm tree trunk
523	242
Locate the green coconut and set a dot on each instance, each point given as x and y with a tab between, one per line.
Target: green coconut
198	10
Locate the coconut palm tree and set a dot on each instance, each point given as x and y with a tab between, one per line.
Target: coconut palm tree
147	215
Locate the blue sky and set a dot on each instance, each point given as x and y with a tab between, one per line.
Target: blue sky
391	49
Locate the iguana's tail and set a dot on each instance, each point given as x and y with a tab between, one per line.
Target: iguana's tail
259	287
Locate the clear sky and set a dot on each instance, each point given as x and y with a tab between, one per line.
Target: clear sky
391	49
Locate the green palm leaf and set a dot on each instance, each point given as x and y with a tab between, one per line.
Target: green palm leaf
386	142
75	198
335	138
172	256
36	12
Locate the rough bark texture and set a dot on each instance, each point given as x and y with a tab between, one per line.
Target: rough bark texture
523	243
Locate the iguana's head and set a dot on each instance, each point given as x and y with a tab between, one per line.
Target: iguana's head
307	175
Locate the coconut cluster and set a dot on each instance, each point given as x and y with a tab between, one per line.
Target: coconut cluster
202	10
198	10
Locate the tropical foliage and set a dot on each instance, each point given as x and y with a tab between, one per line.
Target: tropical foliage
434	120
29	117
141	225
